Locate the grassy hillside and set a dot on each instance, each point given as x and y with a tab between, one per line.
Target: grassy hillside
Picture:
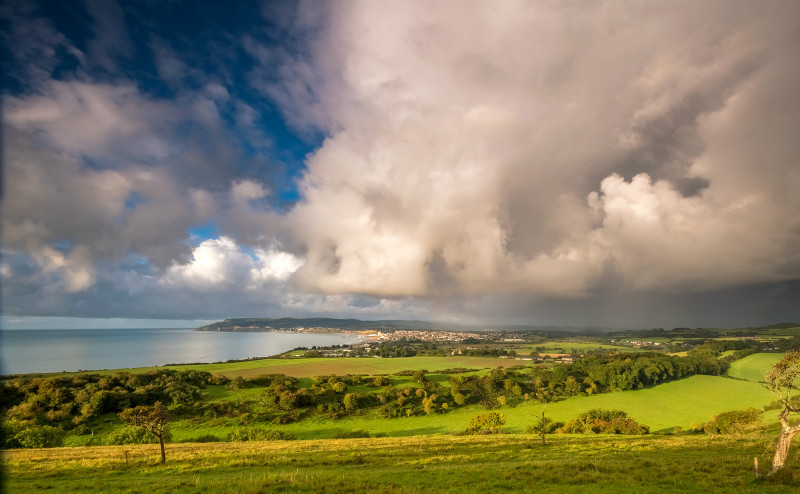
504	463
676	404
753	367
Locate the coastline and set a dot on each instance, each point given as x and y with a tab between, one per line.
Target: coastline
56	351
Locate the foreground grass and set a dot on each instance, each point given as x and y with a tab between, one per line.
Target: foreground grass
502	463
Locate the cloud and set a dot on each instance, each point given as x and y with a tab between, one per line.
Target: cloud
530	149
111	39
220	263
93	119
34	44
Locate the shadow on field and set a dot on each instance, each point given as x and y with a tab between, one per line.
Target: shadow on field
333	432
421	431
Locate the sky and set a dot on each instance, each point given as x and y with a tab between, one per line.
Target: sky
579	163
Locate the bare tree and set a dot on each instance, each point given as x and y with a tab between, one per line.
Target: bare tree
153	419
781	380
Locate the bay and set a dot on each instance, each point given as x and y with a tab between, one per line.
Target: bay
56	350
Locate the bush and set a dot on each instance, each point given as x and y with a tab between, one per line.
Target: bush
9	431
131	434
352	434
238	382
599	421
734	422
487	423
44	436
381	381
259	434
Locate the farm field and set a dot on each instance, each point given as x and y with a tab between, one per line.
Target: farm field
571	347
308	367
497	463
753	367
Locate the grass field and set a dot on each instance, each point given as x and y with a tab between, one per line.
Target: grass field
693	400
753	366
787	331
499	463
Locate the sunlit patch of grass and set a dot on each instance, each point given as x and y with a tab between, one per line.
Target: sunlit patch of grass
753	367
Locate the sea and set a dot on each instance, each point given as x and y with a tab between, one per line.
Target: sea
55	350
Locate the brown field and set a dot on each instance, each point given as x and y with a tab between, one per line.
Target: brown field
370	366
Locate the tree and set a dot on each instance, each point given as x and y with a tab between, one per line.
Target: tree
153	419
543	395
350	401
780	380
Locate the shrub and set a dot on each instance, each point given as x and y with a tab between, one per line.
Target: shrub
44	436
487	423
734	422
238	382
352	434
599	421
9	431
381	381
131	434
259	434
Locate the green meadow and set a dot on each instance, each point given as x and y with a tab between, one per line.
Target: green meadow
681	403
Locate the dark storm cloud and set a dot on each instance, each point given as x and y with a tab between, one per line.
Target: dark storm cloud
527	149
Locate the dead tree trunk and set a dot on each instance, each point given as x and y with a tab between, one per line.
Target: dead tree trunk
784	442
543	427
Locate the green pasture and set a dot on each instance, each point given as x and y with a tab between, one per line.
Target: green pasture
787	332
681	403
678	403
499	463
753	367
